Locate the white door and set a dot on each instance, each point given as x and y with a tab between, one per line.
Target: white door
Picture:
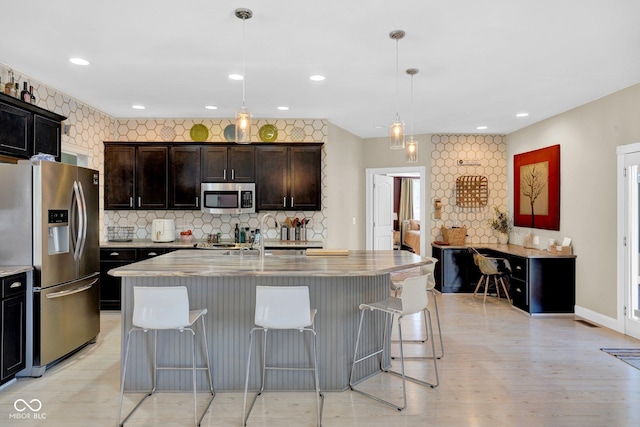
631	237
382	212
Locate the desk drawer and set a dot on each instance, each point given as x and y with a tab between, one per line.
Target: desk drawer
519	267
519	297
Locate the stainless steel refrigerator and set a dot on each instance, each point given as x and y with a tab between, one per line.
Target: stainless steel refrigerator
49	219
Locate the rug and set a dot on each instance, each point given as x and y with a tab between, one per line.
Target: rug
630	356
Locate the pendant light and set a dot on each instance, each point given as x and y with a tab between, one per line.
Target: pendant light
412	144
243	117
396	136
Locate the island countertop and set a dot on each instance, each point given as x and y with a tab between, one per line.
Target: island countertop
203	263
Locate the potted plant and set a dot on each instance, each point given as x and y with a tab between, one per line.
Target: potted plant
502	224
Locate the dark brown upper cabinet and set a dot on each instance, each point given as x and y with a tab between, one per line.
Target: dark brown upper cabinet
228	164
289	177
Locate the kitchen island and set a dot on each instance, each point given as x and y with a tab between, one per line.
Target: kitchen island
225	285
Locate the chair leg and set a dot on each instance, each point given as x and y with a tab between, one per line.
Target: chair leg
122	380
486	288
424	315
504	287
245	414
478	286
402	374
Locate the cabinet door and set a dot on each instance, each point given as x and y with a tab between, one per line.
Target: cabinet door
13	336
151	177
119	176
242	164
46	134
214	164
305	181
110	285
184	185
15	131
272	170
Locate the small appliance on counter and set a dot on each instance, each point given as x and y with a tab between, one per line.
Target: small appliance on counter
163	230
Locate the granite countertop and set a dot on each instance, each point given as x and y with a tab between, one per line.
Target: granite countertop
210	263
517	250
268	243
9	270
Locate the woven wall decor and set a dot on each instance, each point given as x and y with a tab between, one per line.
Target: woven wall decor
472	191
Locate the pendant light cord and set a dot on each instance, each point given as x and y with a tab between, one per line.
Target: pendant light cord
412	106
244	54
397	90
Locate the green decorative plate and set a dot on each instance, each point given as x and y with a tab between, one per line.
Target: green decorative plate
268	133
199	133
230	133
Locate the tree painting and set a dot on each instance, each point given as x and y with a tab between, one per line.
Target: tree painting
534	184
536	180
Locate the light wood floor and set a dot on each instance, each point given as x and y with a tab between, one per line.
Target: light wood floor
501	368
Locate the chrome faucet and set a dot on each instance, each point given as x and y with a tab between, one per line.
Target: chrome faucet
263	232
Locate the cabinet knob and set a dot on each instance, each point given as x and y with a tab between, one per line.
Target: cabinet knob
284	202
152	254
233	174
224	174
15	285
114	254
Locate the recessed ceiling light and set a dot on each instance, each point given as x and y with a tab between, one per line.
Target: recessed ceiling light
481	127
210	107
522	114
236	76
78	61
316	78
138	107
283	108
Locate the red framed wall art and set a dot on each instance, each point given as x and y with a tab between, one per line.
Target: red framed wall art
537	188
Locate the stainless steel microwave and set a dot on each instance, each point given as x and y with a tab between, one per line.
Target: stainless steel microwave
228	198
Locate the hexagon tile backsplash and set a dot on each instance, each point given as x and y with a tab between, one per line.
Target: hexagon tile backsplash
457	155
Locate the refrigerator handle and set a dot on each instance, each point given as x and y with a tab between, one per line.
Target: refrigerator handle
73	221
77	228
83	220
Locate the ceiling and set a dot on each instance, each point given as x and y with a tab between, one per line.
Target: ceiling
480	62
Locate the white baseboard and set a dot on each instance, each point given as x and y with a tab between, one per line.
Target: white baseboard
598	318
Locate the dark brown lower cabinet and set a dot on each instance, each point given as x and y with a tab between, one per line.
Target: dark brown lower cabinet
13	325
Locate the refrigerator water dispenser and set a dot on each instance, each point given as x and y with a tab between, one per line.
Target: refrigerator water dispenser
58	232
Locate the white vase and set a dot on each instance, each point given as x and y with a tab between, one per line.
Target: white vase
503	238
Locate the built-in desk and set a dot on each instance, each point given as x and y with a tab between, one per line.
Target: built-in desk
540	282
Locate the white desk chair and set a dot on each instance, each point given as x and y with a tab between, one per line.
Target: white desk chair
425	270
166	308
414	298
282	307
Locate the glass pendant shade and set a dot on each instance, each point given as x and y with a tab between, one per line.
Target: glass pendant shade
243	126
412	151
396	137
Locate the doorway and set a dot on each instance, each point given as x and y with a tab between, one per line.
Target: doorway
419	171
629	239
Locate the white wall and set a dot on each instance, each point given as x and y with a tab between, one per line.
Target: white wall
588	136
344	185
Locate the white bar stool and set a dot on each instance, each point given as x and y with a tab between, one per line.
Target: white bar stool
425	270
166	308
282	307
414	298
